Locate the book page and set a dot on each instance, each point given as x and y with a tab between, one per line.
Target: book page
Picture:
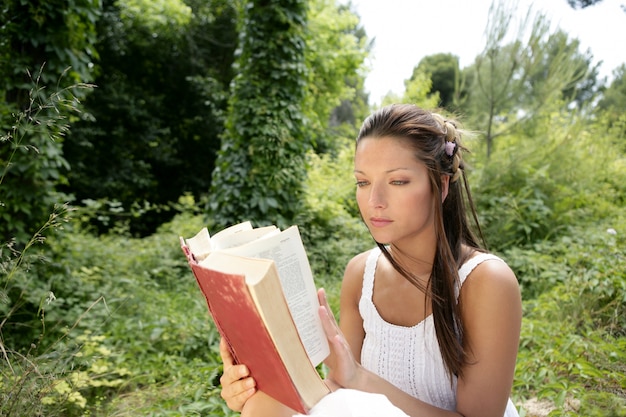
242	237
202	243
287	251
235	228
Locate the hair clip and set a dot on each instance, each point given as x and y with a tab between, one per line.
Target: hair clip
450	146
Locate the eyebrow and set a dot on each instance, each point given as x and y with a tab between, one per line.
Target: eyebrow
389	171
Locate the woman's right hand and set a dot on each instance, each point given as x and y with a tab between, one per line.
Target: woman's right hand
237	384
343	370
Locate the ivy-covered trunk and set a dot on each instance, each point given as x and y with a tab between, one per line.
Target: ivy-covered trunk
261	166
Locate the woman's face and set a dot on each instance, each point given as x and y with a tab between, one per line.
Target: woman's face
393	192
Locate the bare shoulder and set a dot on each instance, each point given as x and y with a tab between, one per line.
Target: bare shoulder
356	265
493	272
491	278
353	275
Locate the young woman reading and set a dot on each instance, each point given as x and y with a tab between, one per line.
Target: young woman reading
429	319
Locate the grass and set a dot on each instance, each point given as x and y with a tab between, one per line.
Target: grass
148	346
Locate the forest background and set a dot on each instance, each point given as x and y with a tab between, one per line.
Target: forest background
128	123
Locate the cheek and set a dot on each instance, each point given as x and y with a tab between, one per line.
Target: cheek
361	199
421	202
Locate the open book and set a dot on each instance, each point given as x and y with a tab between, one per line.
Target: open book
261	295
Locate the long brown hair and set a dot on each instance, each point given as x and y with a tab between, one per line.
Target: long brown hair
437	143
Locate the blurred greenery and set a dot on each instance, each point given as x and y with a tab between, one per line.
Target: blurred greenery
99	312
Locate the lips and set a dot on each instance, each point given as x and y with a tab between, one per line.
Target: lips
379	222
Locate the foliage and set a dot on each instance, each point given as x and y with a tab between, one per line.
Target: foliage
418	91
155	16
332	229
614	97
57	33
46	55
612	104
21	291
513	80
113	325
32	159
581	4
445	74
152	127
334	92
581	90
163	77
573	339
261	165
561	172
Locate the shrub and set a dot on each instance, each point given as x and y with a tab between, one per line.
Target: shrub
573	340
533	188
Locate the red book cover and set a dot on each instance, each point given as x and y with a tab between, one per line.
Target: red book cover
238	321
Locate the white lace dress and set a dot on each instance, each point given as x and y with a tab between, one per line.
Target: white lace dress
409	357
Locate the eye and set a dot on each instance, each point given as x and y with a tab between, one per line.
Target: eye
361	183
399	182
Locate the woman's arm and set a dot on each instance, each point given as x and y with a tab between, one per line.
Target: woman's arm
262	405
491	309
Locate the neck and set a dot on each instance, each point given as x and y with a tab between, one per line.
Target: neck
418	263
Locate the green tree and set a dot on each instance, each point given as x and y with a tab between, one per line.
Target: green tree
261	166
334	92
614	97
46	55
417	90
583	87
510	82
443	69
612	105
154	122
160	108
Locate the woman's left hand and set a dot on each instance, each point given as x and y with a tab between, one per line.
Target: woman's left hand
344	370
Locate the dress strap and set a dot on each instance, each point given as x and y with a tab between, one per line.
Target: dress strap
368	275
472	263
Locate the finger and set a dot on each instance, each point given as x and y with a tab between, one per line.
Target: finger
237	386
328	323
342	349
227	357
321	295
237	394
233	374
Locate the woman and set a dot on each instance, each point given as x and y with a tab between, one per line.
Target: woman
428	318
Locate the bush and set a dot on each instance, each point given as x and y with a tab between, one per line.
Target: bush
573	335
533	188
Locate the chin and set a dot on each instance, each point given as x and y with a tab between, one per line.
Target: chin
380	239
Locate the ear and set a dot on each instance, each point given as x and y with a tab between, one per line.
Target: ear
445	186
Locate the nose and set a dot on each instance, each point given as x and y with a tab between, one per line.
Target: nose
377	197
